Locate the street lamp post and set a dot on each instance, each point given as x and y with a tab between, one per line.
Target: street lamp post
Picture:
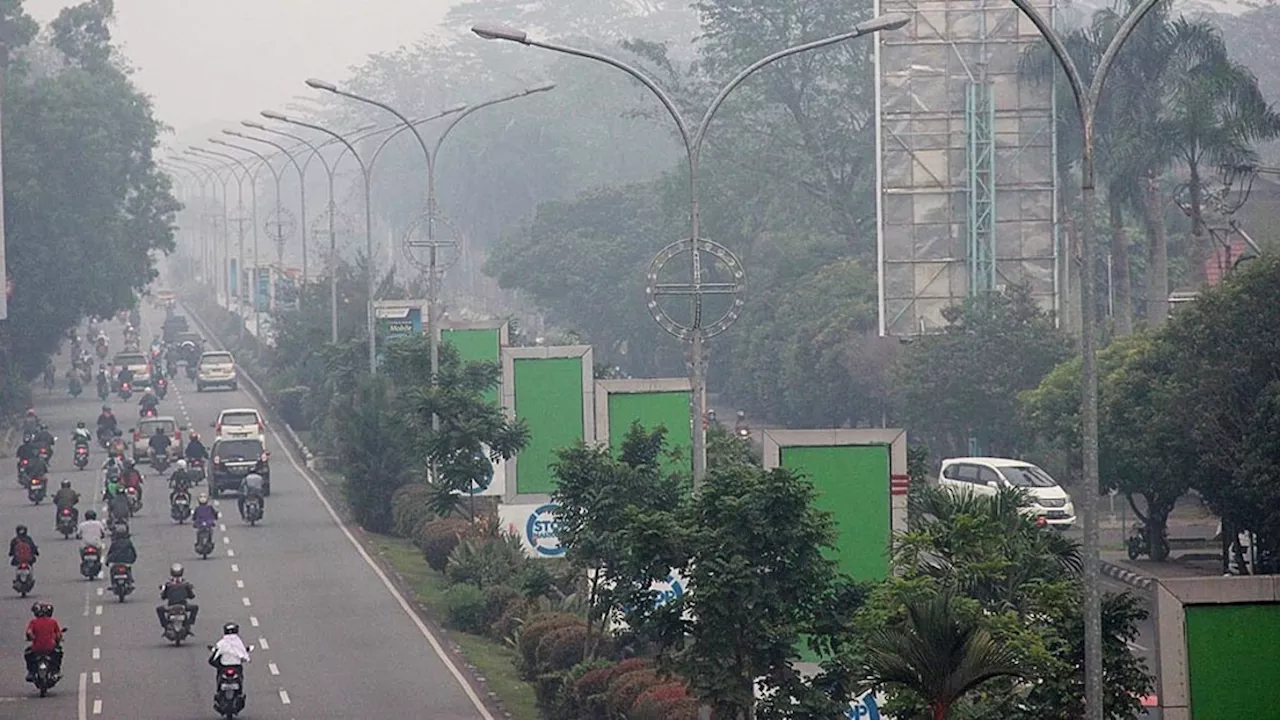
253	200
697	332
237	170
1087	98
199	233
257	261
213	174
302	190
368	227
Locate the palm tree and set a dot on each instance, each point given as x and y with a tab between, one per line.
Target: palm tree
941	654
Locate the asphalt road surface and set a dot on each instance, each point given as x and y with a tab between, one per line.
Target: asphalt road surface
334	639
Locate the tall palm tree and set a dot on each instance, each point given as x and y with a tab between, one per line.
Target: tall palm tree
940	654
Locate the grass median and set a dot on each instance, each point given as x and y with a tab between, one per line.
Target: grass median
493	660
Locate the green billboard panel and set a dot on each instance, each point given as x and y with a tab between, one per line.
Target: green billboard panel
477	345
548	395
853	485
651	409
1233	652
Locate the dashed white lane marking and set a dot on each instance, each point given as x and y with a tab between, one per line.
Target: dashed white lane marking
284	697
97	610
263	643
235	567
272	667
97	654
226	540
97	707
100	593
246	602
97	678
240	584
97	630
253	621
1139	648
223	528
231	553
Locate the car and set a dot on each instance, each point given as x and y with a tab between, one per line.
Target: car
231	459
194	338
216	368
238	423
135	361
1049	503
174	325
147	427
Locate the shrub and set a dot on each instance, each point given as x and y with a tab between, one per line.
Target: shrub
561	649
570	703
629	665
487	561
626	688
537	627
409	509
507	625
439	539
465	608
288	402
686	709
657	702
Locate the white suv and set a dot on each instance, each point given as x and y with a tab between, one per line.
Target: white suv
985	476
216	368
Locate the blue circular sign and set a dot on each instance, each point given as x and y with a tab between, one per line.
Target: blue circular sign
863	708
541	531
482	483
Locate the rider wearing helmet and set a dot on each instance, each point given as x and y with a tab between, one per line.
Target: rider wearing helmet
81	435
66	498
159	442
177	591
122	549
148	402
45	635
205	515
195	449
22	549
229	651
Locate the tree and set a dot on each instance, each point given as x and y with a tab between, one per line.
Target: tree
965	382
85	205
941	653
617	518
372	452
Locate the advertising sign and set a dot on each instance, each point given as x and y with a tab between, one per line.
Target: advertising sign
495	483
865	707
536	527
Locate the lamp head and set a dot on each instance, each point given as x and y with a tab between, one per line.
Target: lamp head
273	115
500	32
888	21
322	85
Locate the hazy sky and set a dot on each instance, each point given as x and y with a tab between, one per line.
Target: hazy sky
206	61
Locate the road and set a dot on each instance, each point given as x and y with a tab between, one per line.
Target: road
334	639
1145	644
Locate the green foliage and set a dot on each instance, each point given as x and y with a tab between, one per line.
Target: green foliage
725	449
624	689
465	608
371	453
487	561
440	538
561	649
537	627
965	382
409	509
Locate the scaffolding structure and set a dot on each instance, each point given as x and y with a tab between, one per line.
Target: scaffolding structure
957	128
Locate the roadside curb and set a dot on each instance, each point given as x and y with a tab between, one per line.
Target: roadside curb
478	682
1127	576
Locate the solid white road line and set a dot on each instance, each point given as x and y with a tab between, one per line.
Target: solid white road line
83	701
386	582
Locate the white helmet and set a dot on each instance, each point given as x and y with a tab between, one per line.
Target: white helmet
182	464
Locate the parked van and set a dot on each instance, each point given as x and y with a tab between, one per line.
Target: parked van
986	475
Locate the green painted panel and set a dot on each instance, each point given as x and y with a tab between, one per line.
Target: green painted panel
548	396
1232	655
853	485
477	345
651	409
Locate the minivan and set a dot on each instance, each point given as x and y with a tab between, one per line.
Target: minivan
986	475
216	368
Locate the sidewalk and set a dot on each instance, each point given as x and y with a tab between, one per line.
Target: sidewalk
1194	552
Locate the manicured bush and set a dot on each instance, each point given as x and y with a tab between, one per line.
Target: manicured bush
686	709
439	539
508	624
561	649
624	689
486	561
537	627
657	702
409	509
496	601
626	666
465	608
571	704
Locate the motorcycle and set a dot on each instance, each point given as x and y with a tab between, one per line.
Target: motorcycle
176	628
75	387
253	510
66	523
180	507
146	412
90	562
46	452
126	391
229	701
196	465
23	580
135	502
204	542
101	351
36	490
162	388
104	436
121	580
191	370
24	475
159	461
82	456
104	390
1139	543
45	677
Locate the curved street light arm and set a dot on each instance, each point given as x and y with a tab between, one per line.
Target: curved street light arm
376	103
263	159
435	152
431	156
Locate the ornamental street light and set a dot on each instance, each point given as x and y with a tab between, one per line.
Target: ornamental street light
241	291
368	228
216	177
257	260
698	330
1087	98
302	190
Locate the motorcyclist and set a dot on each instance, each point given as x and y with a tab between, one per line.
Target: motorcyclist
251	487
81	435
37	466
43	438
31	422
28	449
177	591
66	498
180	480
122	550
45	635
205	515
230	651
195	449
149	401
124	376
107	422
131	477
159	442
117	504
104	380
92	531
22	548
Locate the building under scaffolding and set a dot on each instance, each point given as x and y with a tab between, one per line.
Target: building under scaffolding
966	197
